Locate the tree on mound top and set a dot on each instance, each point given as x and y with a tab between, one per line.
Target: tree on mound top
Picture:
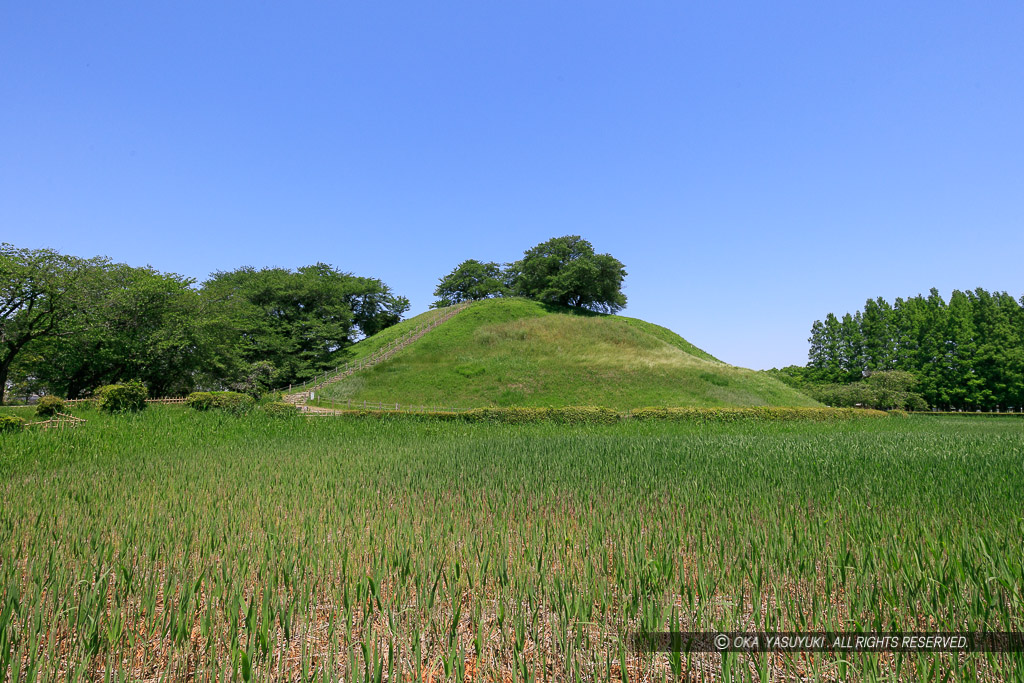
566	271
471	280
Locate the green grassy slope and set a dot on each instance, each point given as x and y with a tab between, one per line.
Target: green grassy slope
520	352
24	412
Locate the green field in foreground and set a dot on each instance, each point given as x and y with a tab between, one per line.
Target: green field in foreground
517	352
178	544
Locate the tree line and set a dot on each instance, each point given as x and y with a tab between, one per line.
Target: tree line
69	324
964	354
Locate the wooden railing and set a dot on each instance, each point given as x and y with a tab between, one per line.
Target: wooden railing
176	399
61	421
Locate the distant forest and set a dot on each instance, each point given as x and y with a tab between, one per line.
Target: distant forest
964	354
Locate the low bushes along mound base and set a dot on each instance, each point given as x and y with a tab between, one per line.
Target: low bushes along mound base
11	423
120	398
597	415
228	401
49	406
279	409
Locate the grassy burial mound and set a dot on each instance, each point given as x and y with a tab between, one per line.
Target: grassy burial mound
516	352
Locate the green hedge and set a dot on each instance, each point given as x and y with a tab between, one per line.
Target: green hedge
279	409
753	414
597	415
48	405
119	398
228	401
568	415
388	414
11	423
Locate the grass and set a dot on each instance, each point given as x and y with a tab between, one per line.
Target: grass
366	347
515	352
27	413
183	545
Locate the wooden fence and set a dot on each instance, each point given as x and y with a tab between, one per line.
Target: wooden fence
61	421
177	399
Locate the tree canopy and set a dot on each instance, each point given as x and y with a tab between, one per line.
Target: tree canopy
297	320
567	271
40	290
563	270
69	325
130	323
471	280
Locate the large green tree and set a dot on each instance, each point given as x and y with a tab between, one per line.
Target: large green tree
130	323
567	271
471	280
295	320
40	290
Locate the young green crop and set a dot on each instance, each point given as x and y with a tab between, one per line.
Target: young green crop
176	544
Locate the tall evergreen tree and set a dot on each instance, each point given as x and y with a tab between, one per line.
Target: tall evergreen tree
877	332
959	384
851	347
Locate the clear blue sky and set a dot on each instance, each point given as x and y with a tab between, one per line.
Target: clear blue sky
755	166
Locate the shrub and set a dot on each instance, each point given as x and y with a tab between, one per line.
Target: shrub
232	402
48	405
200	400
507	415
258	379
520	415
11	423
228	401
882	391
915	402
584	415
397	415
119	398
279	409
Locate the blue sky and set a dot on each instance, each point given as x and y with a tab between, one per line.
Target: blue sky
755	166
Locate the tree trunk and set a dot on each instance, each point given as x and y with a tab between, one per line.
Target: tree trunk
5	366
